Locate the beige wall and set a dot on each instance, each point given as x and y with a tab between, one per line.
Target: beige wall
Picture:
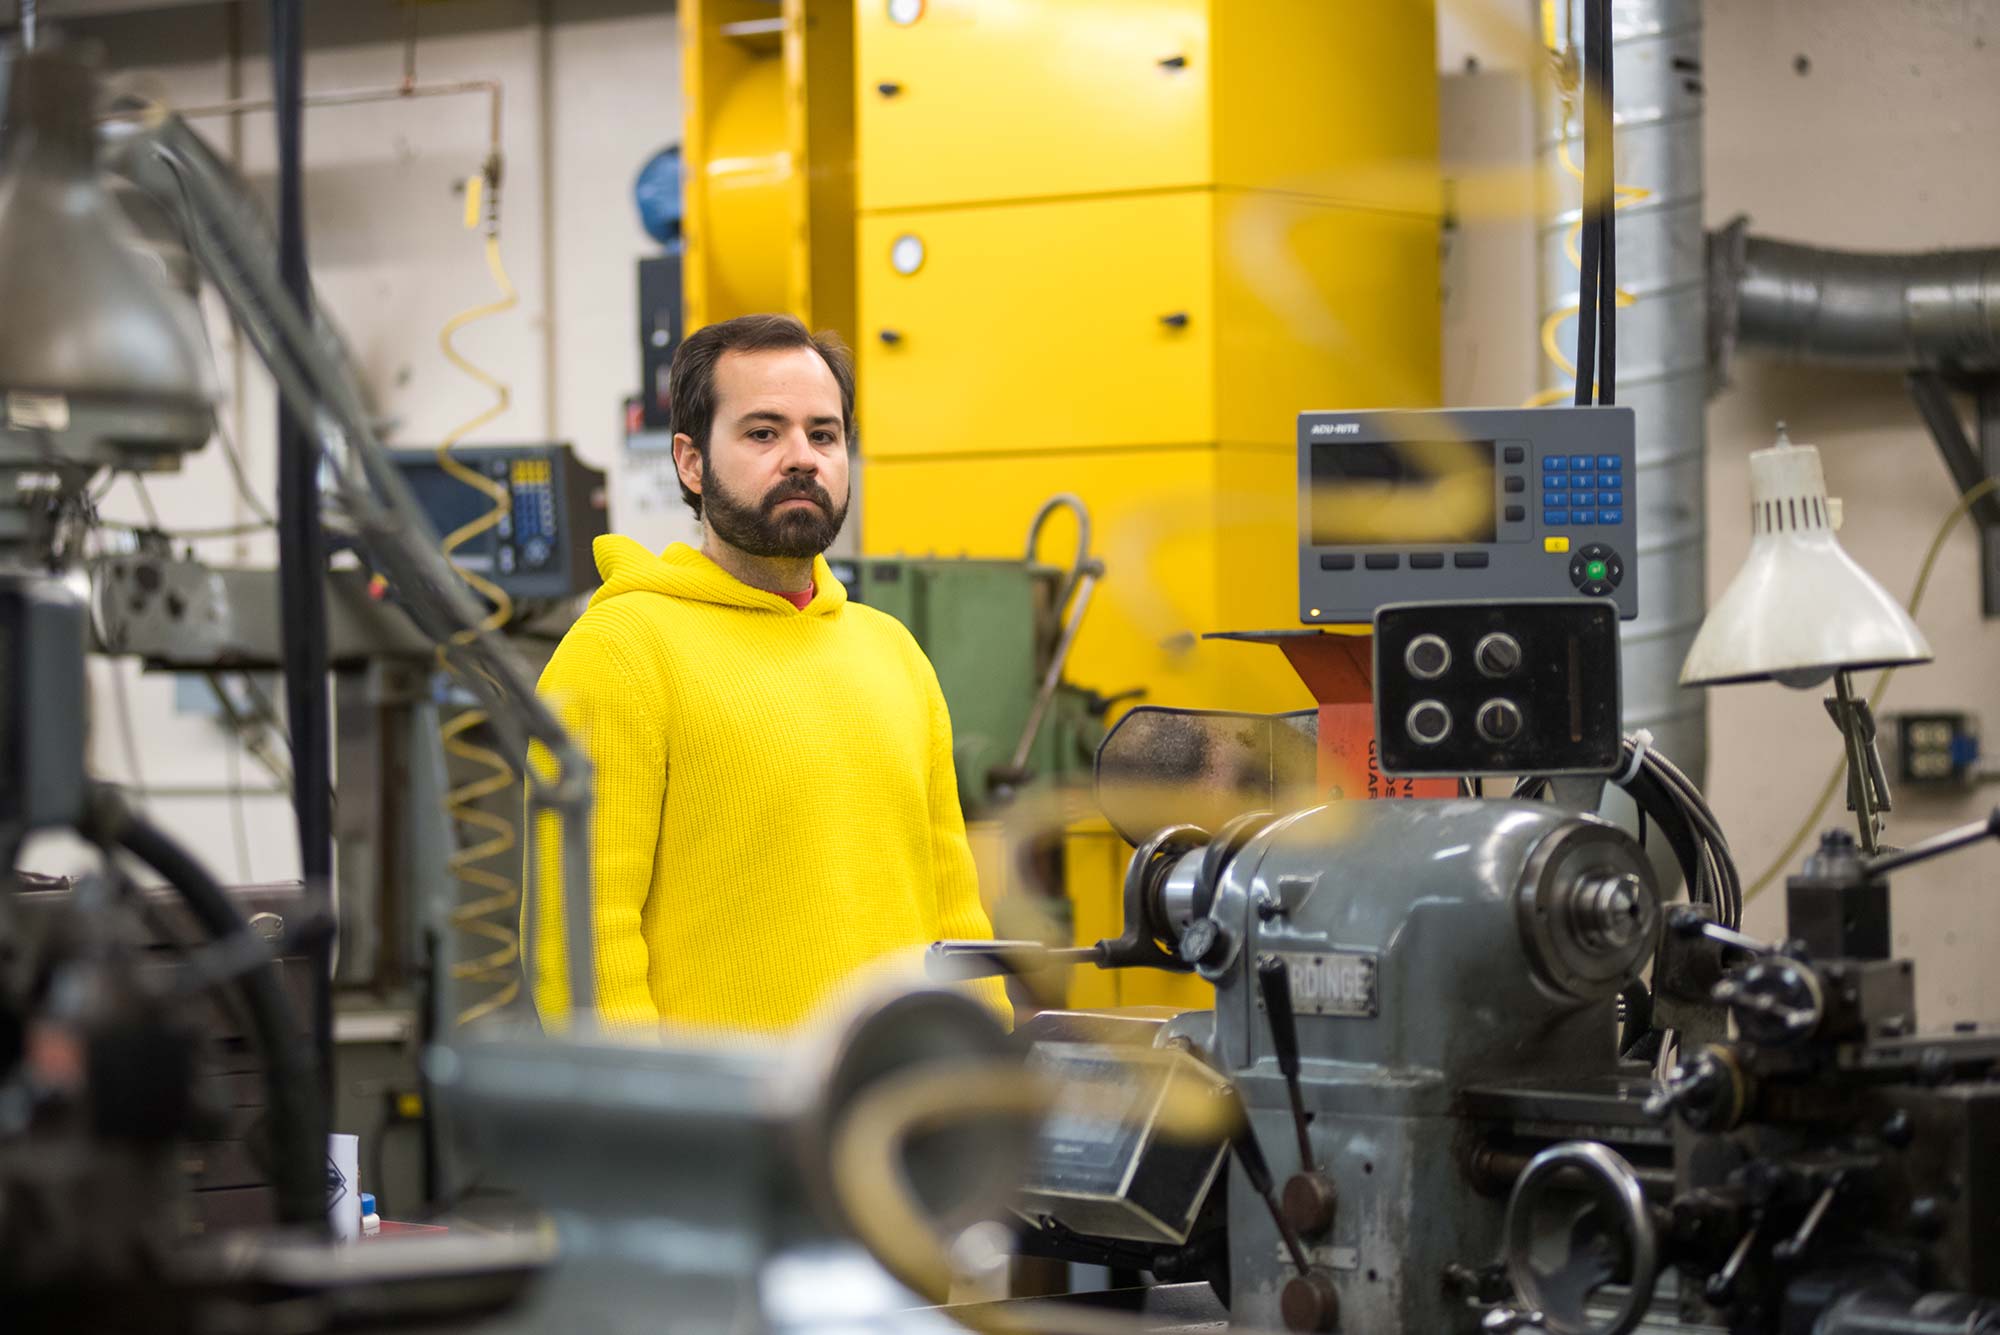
1890	139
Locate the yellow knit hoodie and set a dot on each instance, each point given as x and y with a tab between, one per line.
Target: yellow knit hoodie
776	805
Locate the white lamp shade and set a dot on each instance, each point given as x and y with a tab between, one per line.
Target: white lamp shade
1800	609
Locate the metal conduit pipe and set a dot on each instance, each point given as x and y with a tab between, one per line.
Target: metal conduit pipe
1662	348
1932	310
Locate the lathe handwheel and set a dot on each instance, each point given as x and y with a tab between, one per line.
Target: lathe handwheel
1576	1222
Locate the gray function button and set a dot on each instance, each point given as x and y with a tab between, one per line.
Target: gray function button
1499	720
1428	657
1428	722
1498	654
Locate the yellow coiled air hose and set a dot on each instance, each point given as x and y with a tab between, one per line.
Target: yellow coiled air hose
483	914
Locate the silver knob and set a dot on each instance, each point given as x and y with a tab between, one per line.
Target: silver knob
1428	722
1428	657
1497	654
1499	721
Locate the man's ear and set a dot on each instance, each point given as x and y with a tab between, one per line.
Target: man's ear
687	461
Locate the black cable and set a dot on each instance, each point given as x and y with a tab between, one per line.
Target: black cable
1604	164
1587	284
295	1111
302	544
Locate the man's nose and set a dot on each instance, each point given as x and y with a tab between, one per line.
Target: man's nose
800	457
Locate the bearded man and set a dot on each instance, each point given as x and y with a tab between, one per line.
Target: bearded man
776	803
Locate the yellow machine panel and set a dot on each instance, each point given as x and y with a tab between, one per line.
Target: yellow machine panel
1321	307
1193	539
769	147
981	100
1039	326
1179	318
1329	99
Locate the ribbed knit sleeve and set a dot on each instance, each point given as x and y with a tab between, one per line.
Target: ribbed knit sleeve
611	711
960	914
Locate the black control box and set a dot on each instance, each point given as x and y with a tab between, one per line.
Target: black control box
1471	688
540	549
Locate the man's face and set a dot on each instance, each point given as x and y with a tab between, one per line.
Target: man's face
775	480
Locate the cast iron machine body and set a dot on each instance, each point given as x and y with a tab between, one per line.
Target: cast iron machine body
1411	953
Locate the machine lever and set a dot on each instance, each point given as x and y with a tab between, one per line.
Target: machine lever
1251	1155
963	961
1721	1286
1961	837
1795	1246
1276	982
1685	921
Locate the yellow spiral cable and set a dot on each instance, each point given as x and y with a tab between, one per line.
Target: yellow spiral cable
489	915
1622	196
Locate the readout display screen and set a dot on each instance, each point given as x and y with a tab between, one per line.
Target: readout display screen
1401	493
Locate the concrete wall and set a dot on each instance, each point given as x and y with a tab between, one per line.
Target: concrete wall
1858	123
591	89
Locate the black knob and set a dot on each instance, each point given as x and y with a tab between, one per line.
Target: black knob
890	336
1175	320
1498	654
888	89
1499	721
1927	1217
1275	981
1428	722
1174	63
1428	657
1309	1303
1310	1201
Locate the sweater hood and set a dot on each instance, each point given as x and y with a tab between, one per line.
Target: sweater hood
682	572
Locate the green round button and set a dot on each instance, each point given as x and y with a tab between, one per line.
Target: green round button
1594	570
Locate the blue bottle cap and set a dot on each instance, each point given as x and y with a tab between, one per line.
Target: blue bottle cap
367	1203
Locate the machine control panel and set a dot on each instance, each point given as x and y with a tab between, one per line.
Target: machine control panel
1527	687
1464	503
540	548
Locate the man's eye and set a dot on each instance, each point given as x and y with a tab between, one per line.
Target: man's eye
823	438
765	434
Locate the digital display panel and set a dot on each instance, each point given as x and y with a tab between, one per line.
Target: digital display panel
1402	493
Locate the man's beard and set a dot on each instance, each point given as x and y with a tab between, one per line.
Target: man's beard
799	533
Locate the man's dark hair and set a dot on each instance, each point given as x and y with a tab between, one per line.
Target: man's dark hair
691	380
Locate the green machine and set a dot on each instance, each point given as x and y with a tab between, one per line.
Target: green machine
999	634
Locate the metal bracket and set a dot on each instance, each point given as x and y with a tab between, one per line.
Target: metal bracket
1969	466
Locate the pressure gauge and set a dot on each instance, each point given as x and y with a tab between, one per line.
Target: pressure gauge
905	12
907	254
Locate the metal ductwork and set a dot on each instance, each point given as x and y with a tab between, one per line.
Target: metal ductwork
1662	351
1932	310
1932	315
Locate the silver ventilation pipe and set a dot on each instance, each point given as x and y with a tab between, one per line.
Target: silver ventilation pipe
1662	351
1932	310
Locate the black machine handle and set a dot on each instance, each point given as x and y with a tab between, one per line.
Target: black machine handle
1257	1170
1274	980
1948	842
